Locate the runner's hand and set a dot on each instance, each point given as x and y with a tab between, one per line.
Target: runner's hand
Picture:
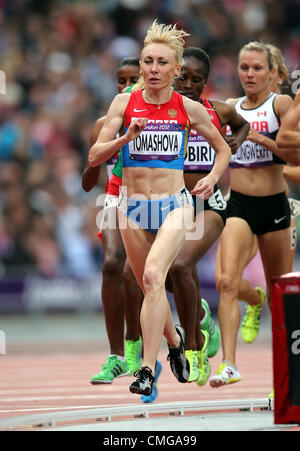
255	136
136	127
231	141
205	187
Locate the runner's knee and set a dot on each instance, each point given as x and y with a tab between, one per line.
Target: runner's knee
180	270
153	279
227	284
128	274
113	265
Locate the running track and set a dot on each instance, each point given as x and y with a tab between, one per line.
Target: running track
48	378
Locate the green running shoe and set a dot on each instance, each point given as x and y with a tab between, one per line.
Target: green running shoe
111	369
214	332
133	354
251	321
203	363
192	357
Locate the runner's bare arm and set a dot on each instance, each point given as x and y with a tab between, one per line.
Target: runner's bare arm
292	173
107	144
90	175
239	126
289	134
290	155
201	122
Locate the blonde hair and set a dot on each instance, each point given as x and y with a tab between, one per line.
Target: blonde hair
255	46
164	34
279	61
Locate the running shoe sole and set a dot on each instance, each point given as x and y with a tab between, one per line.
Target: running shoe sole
139	391
185	373
151	398
143	385
216	383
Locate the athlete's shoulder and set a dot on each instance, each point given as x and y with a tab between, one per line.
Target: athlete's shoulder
100	121
222	105
119	104
233	101
190	104
283	98
122	97
282	102
226	111
207	103
196	112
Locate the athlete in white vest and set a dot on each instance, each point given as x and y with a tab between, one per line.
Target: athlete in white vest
291	173
258	205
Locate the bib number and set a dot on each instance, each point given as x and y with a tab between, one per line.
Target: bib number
217	202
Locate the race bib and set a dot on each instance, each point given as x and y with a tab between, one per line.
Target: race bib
157	142
217	202
295	207
110	201
251	154
199	155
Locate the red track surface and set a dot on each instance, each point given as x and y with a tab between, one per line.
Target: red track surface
48	380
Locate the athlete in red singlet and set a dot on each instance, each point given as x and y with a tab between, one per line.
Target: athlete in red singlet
152	152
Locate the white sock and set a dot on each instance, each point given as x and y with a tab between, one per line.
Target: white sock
231	365
120	357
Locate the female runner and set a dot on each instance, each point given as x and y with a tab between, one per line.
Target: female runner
155	208
199	161
258	205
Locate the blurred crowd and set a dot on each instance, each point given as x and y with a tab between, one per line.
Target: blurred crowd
59	60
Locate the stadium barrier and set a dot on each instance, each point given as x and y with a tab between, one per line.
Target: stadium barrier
286	347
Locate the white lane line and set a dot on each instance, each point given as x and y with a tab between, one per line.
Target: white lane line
119	395
61	408
102	389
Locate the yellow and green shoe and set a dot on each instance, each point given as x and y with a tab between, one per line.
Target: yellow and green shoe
214	332
133	354
251	321
203	363
192	357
